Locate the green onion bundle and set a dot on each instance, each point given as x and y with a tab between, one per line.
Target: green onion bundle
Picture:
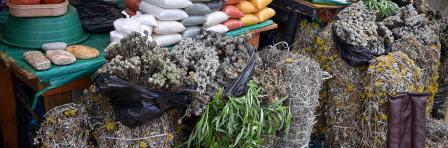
239	122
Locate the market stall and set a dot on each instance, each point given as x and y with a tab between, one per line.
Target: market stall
194	73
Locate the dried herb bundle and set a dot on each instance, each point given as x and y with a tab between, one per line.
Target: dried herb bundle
65	126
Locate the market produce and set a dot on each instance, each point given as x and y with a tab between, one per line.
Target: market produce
108	132
60	57
233	54
215	18
249	19
173	4
166	39
340	106
54	46
246	7
37	60
359	30
141	63
83	52
383	7
220	28
387	75
232	11
65	126
198	64
436	133
193	20
300	79
409	23
162	13
169	27
227	122
265	14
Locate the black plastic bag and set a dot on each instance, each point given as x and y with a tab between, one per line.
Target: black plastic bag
215	5
239	86
97	16
136	105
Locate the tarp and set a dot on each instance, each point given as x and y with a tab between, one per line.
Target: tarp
249	28
59	75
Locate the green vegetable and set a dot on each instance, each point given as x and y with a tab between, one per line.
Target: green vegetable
239	122
383	7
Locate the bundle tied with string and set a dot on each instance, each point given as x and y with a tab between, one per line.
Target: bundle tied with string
108	132
302	79
388	75
340	103
418	35
436	133
65	126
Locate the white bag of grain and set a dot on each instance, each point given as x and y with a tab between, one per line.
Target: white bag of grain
173	4
126	25
169	27
167	39
116	36
215	18
145	19
161	13
147	29
218	28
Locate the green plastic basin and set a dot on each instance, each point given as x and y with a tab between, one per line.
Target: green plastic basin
3	19
35	31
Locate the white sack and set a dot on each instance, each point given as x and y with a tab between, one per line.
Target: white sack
115	36
145	19
145	28
215	18
169	27
218	28
170	3
166	40
126	25
163	14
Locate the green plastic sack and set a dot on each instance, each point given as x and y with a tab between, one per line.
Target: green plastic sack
332	2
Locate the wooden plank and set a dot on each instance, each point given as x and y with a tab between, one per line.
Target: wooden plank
8	105
270	27
255	40
318	6
81	83
54	100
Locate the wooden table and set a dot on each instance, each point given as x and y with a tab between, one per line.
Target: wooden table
323	13
10	72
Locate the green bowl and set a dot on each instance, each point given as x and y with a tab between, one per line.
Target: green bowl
3	19
35	31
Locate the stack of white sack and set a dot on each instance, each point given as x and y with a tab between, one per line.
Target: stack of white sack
141	23
168	14
204	14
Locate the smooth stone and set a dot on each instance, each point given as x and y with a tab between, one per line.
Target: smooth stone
60	57
54	46
37	60
83	52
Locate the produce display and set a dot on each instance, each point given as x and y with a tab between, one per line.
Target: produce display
171	77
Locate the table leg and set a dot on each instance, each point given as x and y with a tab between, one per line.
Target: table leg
255	40
54	100
8	106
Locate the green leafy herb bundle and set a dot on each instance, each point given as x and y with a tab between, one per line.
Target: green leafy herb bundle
383	7
239	122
